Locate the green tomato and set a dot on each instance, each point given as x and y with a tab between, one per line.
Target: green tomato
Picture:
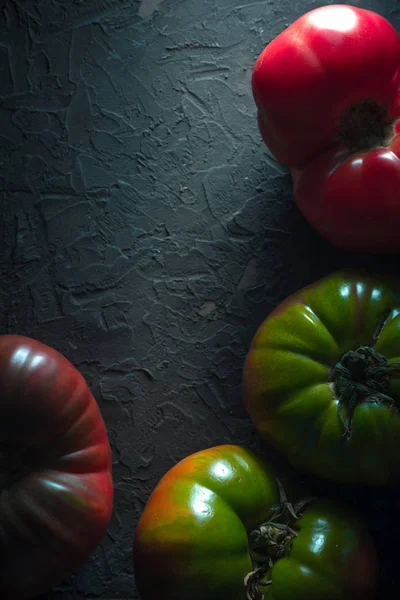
217	525
322	382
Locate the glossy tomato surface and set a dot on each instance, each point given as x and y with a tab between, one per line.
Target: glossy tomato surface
193	540
302	399
328	96
56	502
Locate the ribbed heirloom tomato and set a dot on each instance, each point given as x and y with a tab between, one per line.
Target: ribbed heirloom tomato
56	501
328	96
322	379
219	526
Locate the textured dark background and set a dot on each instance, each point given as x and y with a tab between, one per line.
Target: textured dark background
145	232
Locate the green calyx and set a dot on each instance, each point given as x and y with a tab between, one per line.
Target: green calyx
272	540
361	376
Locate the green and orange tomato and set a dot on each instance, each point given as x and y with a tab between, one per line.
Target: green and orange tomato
322	381
218	526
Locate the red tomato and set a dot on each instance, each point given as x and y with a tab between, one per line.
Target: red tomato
58	499
328	96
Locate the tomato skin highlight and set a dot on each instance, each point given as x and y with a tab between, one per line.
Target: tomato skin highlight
332	557
59	501
192	541
290	384
328	62
355	206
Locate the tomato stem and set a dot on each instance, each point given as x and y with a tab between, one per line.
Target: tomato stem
365	125
361	376
271	540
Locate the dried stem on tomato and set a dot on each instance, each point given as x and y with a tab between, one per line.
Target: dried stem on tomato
365	125
272	540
